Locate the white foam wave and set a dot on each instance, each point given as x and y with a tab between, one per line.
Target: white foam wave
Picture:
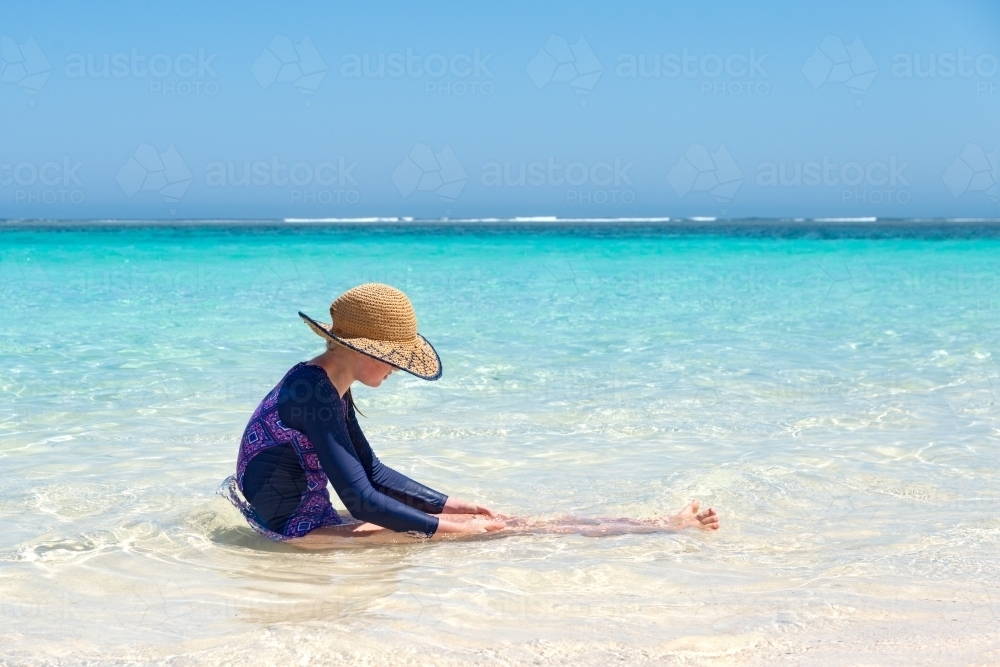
347	220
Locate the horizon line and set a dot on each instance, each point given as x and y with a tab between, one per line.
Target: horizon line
512	221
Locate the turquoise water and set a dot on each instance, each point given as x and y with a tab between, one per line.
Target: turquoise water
833	398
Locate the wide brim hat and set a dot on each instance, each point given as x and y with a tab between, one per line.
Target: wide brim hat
378	320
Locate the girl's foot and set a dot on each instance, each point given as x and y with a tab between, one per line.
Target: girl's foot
690	516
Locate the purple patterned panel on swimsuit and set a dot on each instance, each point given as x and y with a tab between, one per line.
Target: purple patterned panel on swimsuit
264	431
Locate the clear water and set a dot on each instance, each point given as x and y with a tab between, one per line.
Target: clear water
832	394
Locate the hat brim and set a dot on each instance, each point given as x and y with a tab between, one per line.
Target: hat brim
417	357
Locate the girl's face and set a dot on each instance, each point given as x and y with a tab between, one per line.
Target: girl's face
371	372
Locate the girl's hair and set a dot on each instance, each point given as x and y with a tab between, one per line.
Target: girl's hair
349	397
331	345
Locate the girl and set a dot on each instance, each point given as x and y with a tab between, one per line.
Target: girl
305	433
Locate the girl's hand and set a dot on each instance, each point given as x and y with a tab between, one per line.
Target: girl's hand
472	508
456	506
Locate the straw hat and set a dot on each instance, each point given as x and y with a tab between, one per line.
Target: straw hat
378	320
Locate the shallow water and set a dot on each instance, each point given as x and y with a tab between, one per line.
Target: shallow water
834	399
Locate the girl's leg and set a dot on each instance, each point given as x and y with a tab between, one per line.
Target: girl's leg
349	534
358	533
687	517
462	518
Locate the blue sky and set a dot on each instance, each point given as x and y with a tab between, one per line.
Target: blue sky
259	110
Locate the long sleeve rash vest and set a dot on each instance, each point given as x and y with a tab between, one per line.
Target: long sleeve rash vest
274	481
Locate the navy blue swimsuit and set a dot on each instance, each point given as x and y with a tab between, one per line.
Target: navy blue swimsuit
280	472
